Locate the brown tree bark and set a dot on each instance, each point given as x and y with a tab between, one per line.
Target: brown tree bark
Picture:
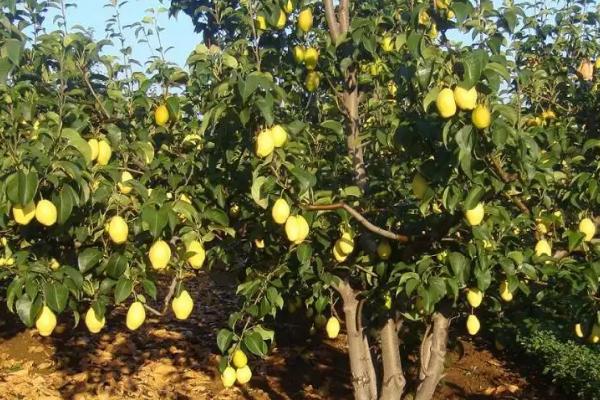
393	377
433	355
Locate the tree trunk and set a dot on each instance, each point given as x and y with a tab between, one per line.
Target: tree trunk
351	100
393	376
361	366
433	355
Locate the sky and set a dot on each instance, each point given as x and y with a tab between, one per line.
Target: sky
93	14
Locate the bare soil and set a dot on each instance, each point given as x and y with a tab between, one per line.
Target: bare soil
171	359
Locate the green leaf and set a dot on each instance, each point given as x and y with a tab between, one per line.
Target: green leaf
473	65
304	253
257	183
473	197
305	178
149	288
27	183
116	265
88	259
217	215
25	311
56	296
64	204
255	343
430	97
13	47
333	125
123	289
224	338
75	140
458	264
499	69
155	220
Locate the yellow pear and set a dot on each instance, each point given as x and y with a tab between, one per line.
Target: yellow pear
474	297
595	334
54	264
104	152
475	215
473	324
228	377
424	17
261	22
578	330
445	103
311	57
196	260
450	14
135	315
46	322
46	213
305	20
123	187
345	244
182	305
337	253
588	228
279	135
281	20
419	186
259	243
303	229
292	228
23	214
384	250
392	88
264	143
332	328
481	117
542	247
159	254
280	211
505	293
239	359
312	81
118	230
289	7
93	143
387	44
442	4
465	99
161	115
92	322
433	31
243	375
298	53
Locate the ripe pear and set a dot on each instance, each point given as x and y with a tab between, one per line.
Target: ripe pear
332	327
475	215
228	377
46	212
312	81
465	99
305	20
281	20
337	254
239	359
505	293
588	228
474	297
298	53
595	334
473	324
196	260
445	103
280	211
542	247
135	316
419	186
289	7
46	322
578	330
345	244
92	322
387	44
93	143
243	375
161	115
182	305
23	214
104	152
159	254
264	143
481	117
292	228
303	229
279	135
311	57
123	187
384	250
261	22
118	230
259	243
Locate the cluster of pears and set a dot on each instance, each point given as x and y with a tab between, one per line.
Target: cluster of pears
448	100
594	336
240	371
44	211
100	151
542	119
296	227
270	138
543	248
261	20
309	56
344	246
475	297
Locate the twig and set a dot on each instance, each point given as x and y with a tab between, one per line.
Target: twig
507	178
169	295
89	85
358	216
153	311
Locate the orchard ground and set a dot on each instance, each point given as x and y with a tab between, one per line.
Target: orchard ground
171	359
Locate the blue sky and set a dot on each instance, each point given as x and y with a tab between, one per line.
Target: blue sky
93	14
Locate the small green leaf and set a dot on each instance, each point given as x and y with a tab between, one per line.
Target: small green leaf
56	296
123	289
88	259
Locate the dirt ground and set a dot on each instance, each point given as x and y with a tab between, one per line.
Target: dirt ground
170	359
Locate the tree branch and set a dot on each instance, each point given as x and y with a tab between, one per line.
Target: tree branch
334	27
86	79
507	178
393	376
358	216
344	16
